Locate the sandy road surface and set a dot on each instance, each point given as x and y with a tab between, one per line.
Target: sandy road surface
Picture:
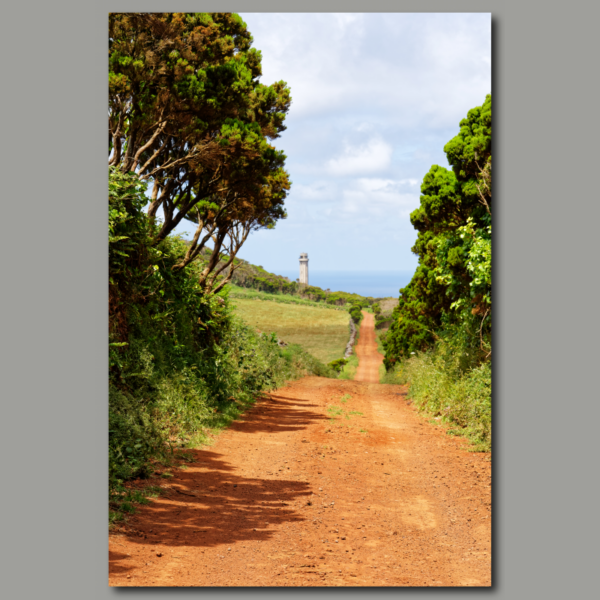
286	497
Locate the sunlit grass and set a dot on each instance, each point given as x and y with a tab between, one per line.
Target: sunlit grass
251	294
320	331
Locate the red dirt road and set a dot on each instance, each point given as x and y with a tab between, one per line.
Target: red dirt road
369	358
288	497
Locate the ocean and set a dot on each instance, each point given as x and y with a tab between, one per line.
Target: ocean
378	284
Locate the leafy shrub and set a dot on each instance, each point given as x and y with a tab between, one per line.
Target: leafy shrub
251	294
355	311
349	369
453	279
382	322
180	363
338	365
451	385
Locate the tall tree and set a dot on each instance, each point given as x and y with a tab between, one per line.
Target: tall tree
188	114
453	278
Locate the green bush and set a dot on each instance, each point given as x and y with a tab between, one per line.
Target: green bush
355	311
349	369
180	363
338	365
453	280
382	321
251	294
451	387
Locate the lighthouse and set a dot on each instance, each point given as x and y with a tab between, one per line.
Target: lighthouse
304	268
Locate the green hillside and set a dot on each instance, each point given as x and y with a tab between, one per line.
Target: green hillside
255	277
319	330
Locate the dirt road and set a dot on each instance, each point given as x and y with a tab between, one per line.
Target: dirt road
325	483
369	359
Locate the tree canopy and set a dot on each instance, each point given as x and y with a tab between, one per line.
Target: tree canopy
188	114
452	282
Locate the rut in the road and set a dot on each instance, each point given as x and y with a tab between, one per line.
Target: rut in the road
326	482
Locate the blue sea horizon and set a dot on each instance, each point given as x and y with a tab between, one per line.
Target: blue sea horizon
377	284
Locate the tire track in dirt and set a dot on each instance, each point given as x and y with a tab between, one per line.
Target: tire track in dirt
323	483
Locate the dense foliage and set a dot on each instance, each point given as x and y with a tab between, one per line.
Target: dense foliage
338	364
452	283
441	386
355	311
180	363
190	127
440	332
188	114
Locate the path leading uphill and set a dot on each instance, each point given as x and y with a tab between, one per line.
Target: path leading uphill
324	483
369	358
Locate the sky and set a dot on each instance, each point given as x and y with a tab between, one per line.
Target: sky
375	97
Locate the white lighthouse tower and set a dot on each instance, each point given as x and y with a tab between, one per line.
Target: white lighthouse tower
304	268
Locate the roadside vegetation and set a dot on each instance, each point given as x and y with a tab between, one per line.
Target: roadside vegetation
182	365
349	369
190	129
257	278
253	294
442	386
356	309
440	335
193	338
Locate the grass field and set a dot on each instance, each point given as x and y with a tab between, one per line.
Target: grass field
321	331
250	294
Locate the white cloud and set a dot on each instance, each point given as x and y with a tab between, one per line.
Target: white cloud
377	199
415	67
317	191
375	97
365	200
372	157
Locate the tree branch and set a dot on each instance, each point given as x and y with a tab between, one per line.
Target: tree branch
147	145
214	258
237	236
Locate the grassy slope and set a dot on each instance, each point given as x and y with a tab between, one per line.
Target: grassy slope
321	331
250	294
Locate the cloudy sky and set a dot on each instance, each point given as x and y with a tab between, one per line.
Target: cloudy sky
375	99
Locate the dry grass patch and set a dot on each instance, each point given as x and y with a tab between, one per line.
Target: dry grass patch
321	331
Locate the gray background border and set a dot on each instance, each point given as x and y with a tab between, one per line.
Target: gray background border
54	298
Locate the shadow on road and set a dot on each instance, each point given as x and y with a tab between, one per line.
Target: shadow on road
216	505
277	414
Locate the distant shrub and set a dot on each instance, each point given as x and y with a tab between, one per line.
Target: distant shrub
338	365
355	311
250	294
349	369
